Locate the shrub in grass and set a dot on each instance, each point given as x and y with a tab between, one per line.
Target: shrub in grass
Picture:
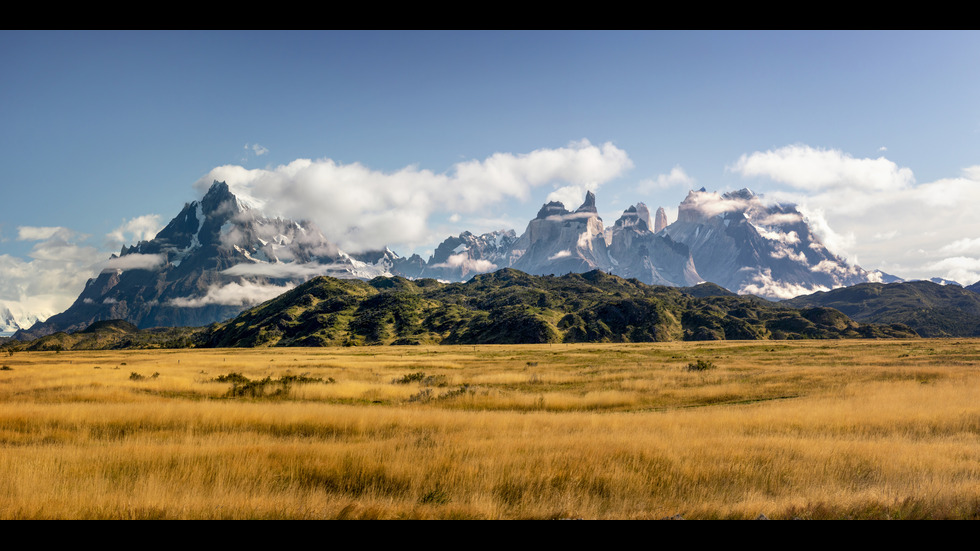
243	387
421	378
700	365
416	377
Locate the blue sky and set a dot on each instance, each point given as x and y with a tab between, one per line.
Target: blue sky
105	135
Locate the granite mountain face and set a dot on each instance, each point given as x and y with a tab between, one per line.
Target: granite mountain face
559	241
221	255
750	248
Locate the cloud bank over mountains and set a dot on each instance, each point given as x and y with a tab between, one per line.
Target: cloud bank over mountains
874	213
364	209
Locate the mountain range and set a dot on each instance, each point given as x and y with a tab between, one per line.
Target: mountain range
221	255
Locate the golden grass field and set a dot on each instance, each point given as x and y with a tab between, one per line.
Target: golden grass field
808	429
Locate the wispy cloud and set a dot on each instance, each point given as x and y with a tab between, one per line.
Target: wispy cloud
136	262
245	293
134	230
276	270
468	264
675	178
40	233
257	149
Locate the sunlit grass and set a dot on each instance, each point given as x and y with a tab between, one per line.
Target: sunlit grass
815	429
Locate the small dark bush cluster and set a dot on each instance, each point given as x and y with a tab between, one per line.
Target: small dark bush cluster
243	387
423	395
416	377
421	378
700	365
426	394
134	376
463	389
6	368
231	378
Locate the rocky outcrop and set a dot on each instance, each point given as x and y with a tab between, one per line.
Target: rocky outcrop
562	242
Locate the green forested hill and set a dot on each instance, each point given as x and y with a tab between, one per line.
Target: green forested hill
932	310
505	307
111	335
511	307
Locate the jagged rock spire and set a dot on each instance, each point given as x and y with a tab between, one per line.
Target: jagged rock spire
661	221
589	204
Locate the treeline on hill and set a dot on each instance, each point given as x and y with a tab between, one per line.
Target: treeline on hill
112	335
505	307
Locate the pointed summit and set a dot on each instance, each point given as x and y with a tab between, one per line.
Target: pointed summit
220	197
589	204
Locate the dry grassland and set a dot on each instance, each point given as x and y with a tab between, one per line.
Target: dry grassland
815	429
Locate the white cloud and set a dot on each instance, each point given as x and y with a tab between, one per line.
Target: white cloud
963	269
257	149
841	244
764	285
134	230
779	219
54	276
782	251
676	178
40	233
789	238
962	246
468	264
570	196
808	168
278	270
361	209
560	254
709	204
136	261
245	293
